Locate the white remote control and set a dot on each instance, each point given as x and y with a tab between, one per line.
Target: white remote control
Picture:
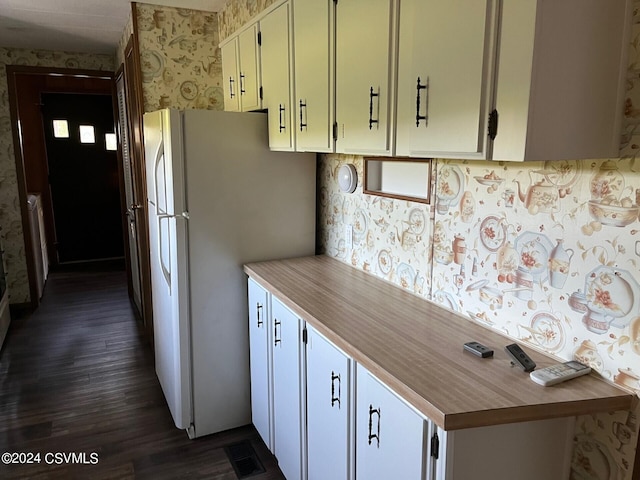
559	373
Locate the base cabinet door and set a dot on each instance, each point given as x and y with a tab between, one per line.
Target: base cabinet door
389	433
329	446
288	396
260	360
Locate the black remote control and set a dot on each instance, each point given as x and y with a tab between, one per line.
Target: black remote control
478	349
520	358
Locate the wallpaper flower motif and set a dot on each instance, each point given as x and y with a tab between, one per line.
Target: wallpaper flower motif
180	60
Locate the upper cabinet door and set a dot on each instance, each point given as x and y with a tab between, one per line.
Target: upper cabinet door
276	77
230	76
561	79
445	64
365	47
313	32
249	69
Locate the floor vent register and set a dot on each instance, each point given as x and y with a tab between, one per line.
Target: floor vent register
244	459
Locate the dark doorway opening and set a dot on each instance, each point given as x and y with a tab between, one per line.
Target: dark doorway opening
83	176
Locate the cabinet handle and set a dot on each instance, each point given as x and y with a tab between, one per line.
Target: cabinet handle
418	116
372	435
258	312
231	82
242	90
302	105
371	97
276	324
280	112
335	399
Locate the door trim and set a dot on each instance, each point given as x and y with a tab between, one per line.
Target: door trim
54	80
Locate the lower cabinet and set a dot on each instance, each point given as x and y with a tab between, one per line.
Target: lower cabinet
389	433
288	391
260	361
325	417
329	405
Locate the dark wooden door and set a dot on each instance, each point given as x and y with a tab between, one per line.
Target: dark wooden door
83	177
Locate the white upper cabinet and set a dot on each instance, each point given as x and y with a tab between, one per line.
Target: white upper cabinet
241	71
560	79
365	89
275	48
313	28
445	59
230	75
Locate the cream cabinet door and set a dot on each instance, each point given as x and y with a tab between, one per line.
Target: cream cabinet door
364	75
313	28
329	447
249	79
230	76
445	60
276	77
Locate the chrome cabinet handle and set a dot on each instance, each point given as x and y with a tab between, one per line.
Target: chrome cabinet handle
418	88
242	90
302	105
231	82
372	95
258	312
276	324
335	399
372	435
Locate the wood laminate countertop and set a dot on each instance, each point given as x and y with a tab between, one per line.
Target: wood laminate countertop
415	347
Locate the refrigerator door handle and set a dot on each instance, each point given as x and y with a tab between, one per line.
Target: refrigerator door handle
165	265
159	180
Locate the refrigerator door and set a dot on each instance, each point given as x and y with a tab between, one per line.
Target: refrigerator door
167	236
164	161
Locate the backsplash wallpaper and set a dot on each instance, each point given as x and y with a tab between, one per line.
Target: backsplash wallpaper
10	219
236	13
180	60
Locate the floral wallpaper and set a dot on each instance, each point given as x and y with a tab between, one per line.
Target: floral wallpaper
237	13
180	60
10	219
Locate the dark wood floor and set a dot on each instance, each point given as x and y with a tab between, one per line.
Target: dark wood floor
77	377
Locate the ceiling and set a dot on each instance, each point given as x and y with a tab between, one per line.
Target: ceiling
93	26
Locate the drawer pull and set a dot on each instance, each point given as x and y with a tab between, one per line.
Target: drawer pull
231	82
242	90
335	399
276	324
281	111
258	314
418	116
372	435
303	105
373	95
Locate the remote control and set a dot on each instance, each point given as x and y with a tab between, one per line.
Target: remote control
520	358
559	373
478	349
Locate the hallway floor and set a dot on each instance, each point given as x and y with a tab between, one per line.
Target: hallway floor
77	377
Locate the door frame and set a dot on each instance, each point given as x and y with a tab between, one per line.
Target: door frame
43	79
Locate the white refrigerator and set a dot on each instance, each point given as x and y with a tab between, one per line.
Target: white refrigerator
217	198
